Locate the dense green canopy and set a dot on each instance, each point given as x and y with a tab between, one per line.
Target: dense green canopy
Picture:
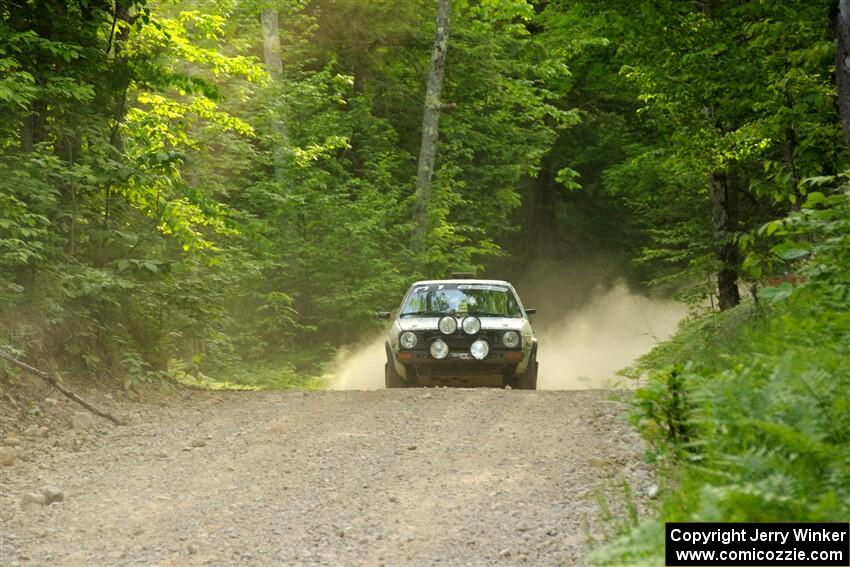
167	199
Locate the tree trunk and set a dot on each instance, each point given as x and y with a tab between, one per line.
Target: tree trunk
271	43
274	66
544	212
22	17
790	152
430	123
121	68
842	65
34	131
68	146
724	204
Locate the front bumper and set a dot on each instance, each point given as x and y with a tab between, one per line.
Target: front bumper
421	365
460	359
416	363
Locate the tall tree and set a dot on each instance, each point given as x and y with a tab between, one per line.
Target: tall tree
271	42
723	197
842	65
430	122
274	66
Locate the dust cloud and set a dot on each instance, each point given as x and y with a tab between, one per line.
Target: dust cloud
587	331
588	345
359	367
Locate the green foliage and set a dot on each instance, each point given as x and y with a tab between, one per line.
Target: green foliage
251	377
764	397
687	89
104	243
167	203
664	406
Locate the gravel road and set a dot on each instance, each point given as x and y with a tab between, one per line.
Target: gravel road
401	477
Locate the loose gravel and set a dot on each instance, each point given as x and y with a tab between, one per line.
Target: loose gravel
401	477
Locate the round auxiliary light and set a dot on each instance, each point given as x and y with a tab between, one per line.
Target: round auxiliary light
510	339
439	349
408	339
479	349
471	325
447	325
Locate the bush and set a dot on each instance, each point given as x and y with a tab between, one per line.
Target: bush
750	409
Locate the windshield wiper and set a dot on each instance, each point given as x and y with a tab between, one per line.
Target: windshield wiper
486	314
422	314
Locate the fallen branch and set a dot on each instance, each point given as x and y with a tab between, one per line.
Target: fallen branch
59	386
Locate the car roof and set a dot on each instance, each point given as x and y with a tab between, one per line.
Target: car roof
486	282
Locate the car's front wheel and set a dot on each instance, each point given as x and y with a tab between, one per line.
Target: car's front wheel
392	378
528	379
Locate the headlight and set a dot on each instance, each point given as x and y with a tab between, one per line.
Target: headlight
510	339
471	325
479	349
408	339
439	349
447	325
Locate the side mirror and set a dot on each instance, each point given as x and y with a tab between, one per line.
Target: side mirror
530	311
384	315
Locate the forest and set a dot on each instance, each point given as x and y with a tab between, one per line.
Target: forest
229	190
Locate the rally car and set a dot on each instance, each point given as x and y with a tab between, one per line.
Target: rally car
461	332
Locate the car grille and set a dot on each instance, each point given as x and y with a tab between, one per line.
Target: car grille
460	341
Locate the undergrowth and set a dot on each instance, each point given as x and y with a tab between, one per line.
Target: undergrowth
748	411
277	377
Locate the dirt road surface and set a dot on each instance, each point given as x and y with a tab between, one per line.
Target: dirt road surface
402	477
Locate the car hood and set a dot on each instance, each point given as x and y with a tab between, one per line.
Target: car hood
487	323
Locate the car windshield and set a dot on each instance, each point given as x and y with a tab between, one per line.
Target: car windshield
469	299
